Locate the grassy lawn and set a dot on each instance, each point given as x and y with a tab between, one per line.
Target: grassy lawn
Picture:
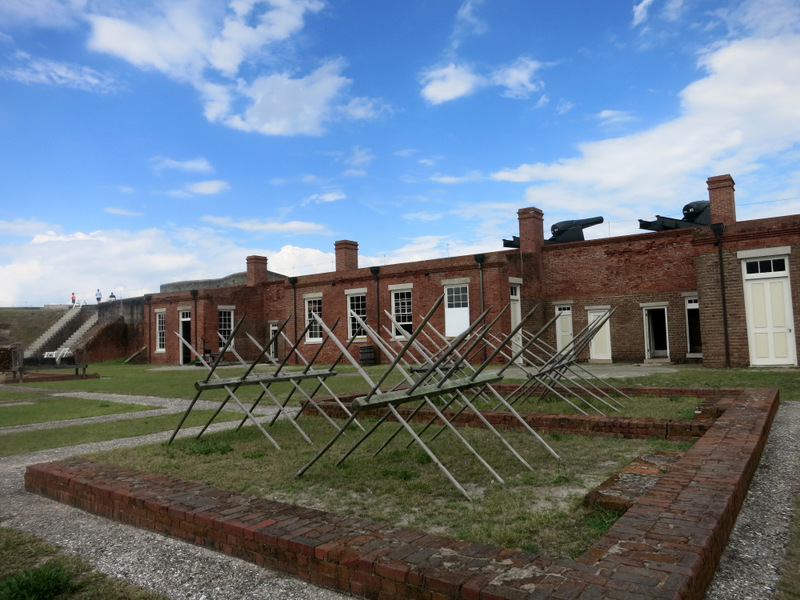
35	570
537	510
42	407
146	380
31	441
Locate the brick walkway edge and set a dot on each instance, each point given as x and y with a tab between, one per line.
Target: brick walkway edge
666	546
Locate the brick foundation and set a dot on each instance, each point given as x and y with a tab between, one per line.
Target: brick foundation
667	545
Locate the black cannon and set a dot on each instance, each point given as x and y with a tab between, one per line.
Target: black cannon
694	214
571	231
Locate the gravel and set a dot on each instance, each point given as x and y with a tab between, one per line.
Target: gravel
750	567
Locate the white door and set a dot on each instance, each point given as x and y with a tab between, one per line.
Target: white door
516	317
456	309
273	340
563	326
600	346
770	322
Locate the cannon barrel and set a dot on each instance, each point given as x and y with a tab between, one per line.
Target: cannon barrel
697	212
562	226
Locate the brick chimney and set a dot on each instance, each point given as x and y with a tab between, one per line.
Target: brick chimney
721	197
346	255
256	269
531	229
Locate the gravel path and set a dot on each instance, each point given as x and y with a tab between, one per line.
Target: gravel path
749	569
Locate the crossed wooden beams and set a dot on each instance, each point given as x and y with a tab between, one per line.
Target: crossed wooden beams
438	375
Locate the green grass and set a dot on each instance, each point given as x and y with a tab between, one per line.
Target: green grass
31	569
563	529
41	407
539	508
27	324
31	441
149	380
786	379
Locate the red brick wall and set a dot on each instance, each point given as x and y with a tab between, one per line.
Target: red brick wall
748	235
114	340
623	273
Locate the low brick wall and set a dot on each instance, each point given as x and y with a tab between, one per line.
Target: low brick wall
673	430
666	546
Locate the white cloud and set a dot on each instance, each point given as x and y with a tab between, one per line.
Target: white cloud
363	108
257	226
239	38
325	197
206	188
122	212
193	165
42	13
767	18
361	157
126	189
282	105
423	216
453	81
443	84
51	72
52	265
564	106
614	117
295	261
469	177
174	43
467	23
21	227
640	12
517	78
736	119
197	44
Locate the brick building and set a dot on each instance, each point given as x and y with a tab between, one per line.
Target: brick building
719	294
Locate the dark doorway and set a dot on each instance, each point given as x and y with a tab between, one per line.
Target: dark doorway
693	327
186	333
656	323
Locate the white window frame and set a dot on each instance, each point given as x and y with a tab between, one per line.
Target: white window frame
224	312
402	294
313	303
161	330
357	297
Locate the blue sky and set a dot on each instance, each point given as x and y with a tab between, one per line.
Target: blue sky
155	141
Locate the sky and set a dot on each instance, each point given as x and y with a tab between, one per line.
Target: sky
158	141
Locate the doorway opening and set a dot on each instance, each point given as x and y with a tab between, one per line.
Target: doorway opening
655	328
186	333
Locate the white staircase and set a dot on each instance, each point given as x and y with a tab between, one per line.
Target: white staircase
79	333
36	346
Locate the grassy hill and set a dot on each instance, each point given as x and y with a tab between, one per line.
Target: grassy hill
24	325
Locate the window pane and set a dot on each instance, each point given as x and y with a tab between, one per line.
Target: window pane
458	296
779	264
313	306
765	266
751	267
401	309
358	305
225	326
161	331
